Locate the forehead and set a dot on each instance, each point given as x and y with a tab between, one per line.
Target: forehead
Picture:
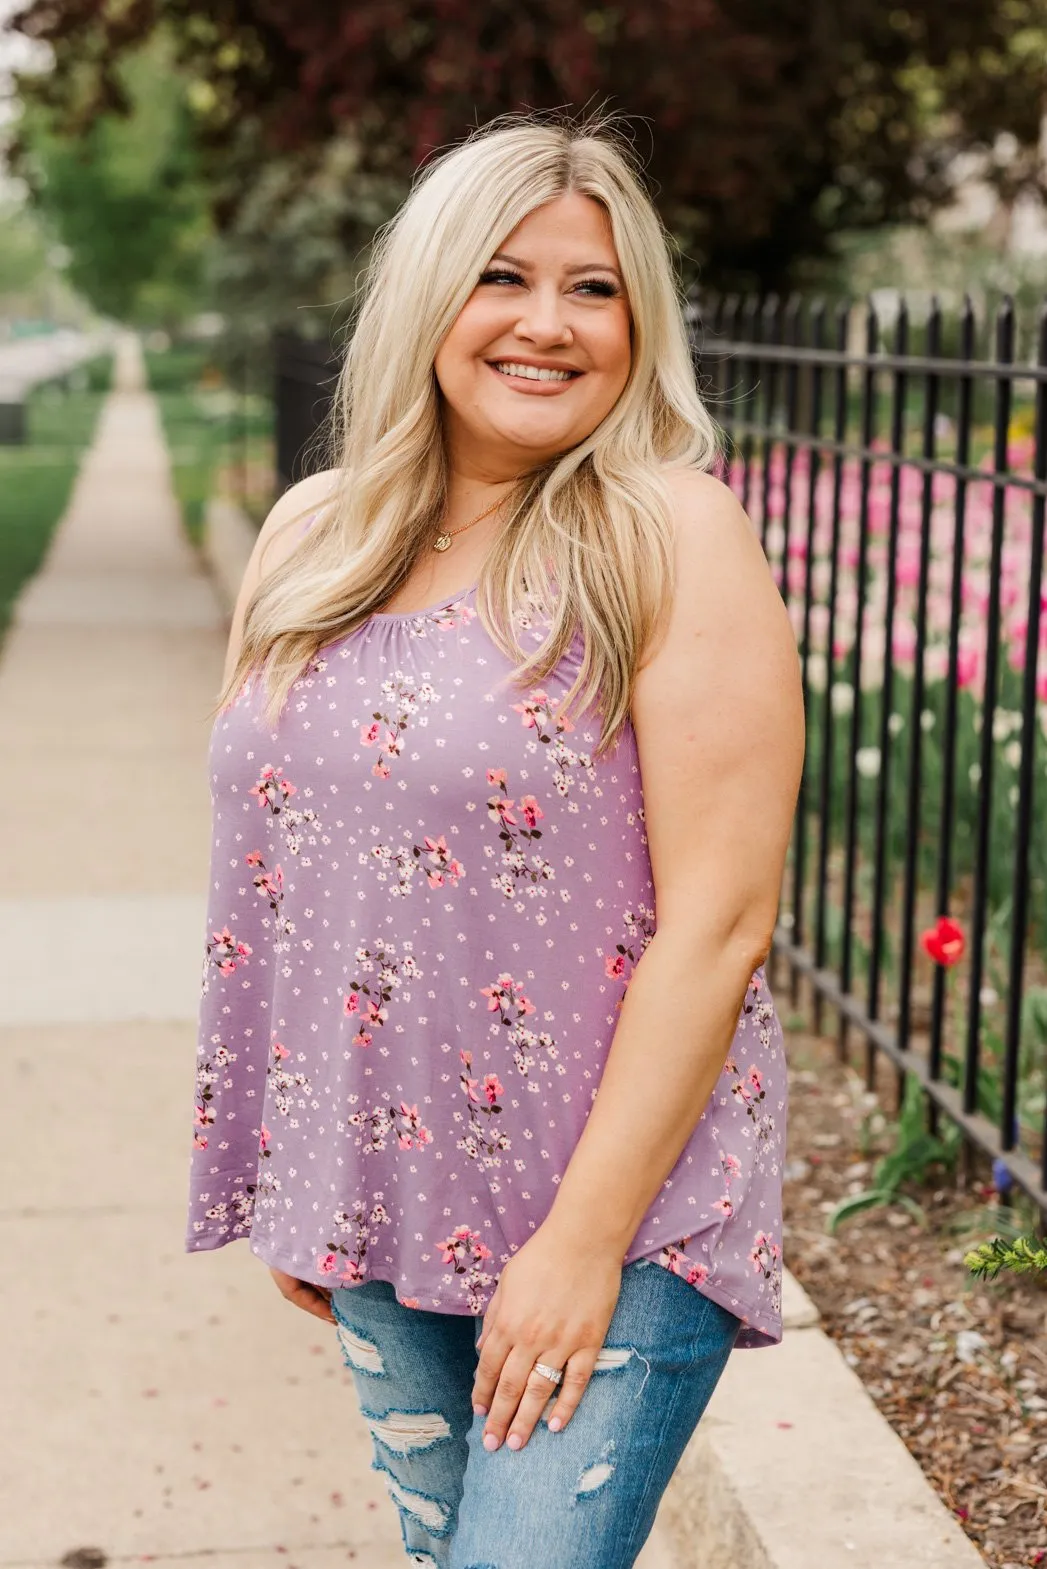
573	227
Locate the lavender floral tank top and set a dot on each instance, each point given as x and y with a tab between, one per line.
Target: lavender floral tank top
426	900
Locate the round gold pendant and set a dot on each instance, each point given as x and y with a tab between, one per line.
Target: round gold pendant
442	542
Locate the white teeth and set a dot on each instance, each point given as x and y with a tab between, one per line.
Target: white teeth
532	372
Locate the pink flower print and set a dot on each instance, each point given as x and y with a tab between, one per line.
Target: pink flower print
765	1255
444	863
264	1140
517	867
199	1142
499	809
509	993
639	926
280	1052
698	1274
409	1302
507	998
468	1084
327	1263
467	1253
731	1165
756	1081
725	1206
462	1244
411	1132
226	953
402	699
484	1140
361	1224
274	791
370	997
531	810
254	858
530	710
203	1116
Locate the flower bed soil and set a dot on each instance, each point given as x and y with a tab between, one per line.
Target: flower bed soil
958	1367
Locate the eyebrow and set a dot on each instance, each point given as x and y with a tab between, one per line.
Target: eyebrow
571	271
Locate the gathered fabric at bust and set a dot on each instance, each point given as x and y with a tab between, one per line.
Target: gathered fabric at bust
427	898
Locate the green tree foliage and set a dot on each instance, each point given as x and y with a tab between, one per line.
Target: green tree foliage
772	126
123	194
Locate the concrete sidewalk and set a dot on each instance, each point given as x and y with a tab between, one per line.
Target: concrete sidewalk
154	1407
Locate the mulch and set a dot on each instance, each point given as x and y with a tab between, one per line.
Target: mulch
957	1366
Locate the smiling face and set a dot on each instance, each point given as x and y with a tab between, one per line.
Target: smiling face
541	350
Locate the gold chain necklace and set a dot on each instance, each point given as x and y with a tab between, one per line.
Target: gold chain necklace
443	540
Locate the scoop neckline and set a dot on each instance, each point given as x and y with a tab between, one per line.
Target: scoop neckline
425	610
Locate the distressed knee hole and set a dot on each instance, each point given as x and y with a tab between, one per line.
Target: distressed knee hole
610	1357
427	1511
406	1431
597	1475
360	1354
420	1557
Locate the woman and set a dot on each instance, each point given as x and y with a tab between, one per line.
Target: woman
522	679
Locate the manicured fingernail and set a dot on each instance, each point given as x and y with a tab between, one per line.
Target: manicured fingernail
514	1440
555	1424
490	1440
480	1410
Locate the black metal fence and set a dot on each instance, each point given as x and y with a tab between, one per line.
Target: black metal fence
305	375
896	473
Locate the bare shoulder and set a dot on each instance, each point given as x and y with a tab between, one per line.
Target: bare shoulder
276	537
709	519
723	579
276	540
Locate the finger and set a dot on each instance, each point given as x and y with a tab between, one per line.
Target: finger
538	1394
512	1387
488	1372
576	1375
307	1297
489	1317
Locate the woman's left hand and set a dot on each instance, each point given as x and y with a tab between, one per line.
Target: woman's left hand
553	1303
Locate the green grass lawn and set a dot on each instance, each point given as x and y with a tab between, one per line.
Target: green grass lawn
36	478
220	441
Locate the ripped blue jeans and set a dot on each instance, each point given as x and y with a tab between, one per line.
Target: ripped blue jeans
586	1495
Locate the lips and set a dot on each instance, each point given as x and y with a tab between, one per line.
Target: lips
524	376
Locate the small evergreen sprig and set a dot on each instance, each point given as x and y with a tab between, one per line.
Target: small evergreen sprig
1023	1256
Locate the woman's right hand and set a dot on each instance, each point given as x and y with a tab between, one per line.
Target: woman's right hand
310	1298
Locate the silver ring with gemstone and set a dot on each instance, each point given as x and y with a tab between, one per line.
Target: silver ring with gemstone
548	1372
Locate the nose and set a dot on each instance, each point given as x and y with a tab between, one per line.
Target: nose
542	320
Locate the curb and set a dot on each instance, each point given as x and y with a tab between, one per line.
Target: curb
793	1467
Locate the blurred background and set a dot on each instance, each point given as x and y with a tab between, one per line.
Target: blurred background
859	196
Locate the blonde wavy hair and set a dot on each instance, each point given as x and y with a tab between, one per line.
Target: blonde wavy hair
588	536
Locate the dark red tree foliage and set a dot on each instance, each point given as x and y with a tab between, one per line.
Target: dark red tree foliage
765	124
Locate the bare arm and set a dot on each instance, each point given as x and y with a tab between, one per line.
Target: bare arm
718	716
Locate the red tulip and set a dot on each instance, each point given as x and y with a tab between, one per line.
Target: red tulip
944	942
